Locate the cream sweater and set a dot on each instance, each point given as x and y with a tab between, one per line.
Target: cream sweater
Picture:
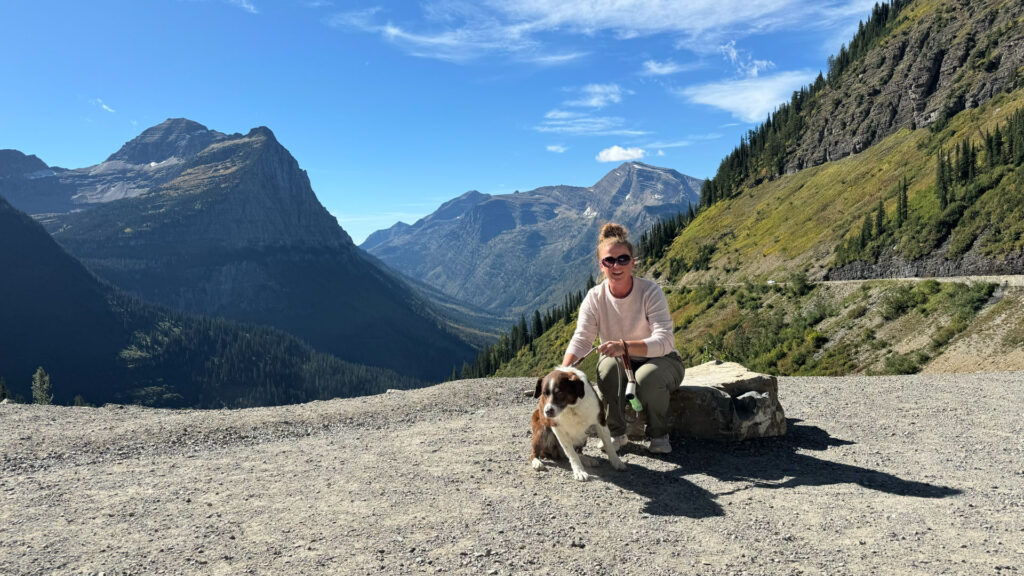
642	315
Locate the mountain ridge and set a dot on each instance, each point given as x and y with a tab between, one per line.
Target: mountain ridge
503	244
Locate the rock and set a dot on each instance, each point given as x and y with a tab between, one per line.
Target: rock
721	401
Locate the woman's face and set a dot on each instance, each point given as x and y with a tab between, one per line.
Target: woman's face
617	271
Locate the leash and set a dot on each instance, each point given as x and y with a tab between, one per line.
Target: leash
580	360
626	367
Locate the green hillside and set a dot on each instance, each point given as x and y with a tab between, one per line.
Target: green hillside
796	222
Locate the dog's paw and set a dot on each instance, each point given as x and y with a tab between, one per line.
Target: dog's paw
537	464
580	475
617	464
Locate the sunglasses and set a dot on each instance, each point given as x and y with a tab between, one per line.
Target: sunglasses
622	260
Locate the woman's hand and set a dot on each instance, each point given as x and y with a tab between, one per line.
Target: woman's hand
613	349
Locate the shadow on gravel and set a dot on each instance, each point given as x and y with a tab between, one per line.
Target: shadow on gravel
764	463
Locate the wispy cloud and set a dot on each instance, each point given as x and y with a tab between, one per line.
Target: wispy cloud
557	148
244	5
556	122
99	102
597	96
744	61
620	154
525	30
591	97
666	68
688	141
749	99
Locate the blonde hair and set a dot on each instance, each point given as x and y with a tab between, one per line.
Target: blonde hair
615	234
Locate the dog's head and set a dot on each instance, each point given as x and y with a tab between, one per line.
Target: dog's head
560	388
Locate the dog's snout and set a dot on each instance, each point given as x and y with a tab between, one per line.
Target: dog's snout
549	411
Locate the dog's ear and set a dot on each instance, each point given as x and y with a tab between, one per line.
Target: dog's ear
536	393
577	386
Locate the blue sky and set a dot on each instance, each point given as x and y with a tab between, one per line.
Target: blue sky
396	107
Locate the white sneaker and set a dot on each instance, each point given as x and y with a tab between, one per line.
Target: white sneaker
617	442
660	445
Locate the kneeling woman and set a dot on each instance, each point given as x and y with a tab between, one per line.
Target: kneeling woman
623	307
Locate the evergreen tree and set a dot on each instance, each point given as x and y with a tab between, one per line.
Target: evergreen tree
41	387
880	219
942	178
902	208
865	231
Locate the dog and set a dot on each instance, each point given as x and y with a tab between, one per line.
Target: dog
568	407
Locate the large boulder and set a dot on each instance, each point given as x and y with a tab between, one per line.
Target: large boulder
721	401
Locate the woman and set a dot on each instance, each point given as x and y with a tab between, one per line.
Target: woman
624	307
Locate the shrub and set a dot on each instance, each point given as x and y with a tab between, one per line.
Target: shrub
856	312
909	363
897	301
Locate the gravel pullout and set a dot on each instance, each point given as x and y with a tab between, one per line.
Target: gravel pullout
878	475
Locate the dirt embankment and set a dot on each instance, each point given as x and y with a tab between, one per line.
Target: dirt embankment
878	475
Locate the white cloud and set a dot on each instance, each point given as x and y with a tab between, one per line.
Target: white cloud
598	96
655	68
661	152
744	61
749	99
562	115
98	102
729	51
244	5
554	59
557	122
620	154
688	141
557	148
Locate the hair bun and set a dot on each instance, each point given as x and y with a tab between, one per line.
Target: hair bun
615	231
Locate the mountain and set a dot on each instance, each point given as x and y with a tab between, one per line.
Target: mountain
235	230
154	157
512	253
99	344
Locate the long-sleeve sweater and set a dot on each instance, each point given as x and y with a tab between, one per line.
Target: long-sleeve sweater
642	315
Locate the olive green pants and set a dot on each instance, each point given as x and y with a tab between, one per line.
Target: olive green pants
656	378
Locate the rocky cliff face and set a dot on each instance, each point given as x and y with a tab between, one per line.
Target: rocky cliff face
938	61
513	253
936	264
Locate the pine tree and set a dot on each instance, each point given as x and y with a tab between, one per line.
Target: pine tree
880	220
41	387
902	208
942	177
865	231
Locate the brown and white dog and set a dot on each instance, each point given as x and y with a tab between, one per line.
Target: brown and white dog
568	408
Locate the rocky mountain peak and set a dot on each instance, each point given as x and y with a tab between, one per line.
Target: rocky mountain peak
173	138
16	163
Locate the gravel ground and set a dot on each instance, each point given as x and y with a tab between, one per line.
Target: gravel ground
878	475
